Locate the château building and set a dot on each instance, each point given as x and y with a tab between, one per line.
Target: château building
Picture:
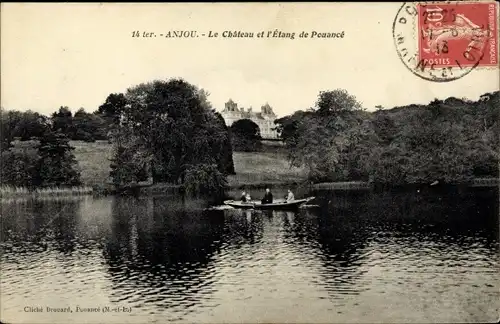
264	119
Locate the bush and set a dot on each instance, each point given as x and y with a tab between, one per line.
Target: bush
19	168
204	179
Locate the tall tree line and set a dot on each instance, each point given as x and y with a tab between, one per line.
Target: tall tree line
451	141
166	130
80	126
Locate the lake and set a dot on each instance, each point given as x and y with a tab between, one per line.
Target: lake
353	257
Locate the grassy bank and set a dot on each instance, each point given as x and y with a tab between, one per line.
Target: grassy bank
348	185
252	169
263	167
361	185
12	192
93	161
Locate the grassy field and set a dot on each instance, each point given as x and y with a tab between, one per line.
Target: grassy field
93	161
263	168
251	168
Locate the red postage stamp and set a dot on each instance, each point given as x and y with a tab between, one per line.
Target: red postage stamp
459	34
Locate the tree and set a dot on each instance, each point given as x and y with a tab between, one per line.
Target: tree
205	178
31	125
22	125
113	107
62	121
429	144
9	119
450	140
88	127
245	135
287	126
335	102
481	122
175	128
57	164
327	139
389	165
124	167
384	127
225	149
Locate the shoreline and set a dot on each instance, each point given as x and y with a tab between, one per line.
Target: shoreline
367	186
164	188
12	192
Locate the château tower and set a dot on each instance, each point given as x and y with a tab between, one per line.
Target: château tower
264	119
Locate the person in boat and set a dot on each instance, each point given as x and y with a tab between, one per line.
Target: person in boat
290	197
243	196
248	197
268	197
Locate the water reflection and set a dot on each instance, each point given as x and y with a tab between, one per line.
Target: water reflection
242	227
39	222
171	259
160	255
337	242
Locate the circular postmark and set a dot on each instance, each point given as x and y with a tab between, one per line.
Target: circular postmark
442	41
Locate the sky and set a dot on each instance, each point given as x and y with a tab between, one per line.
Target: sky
75	55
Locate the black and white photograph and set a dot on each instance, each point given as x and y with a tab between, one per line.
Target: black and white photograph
242	162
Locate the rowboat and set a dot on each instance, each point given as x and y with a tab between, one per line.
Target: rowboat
278	204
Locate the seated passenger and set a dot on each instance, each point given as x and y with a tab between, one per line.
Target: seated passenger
290	196
243	197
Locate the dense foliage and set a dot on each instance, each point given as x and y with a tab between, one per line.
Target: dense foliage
88	127
245	136
57	164
164	130
113	107
225	151
204	178
43	158
82	126
450	141
125	169
49	162
19	167
20	125
170	129
28	125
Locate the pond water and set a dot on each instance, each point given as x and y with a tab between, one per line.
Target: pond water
358	257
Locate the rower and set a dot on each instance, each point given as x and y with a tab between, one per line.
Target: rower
268	197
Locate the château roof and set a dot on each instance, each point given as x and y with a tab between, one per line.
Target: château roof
232	108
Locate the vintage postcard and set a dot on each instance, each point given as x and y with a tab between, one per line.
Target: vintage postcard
250	162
